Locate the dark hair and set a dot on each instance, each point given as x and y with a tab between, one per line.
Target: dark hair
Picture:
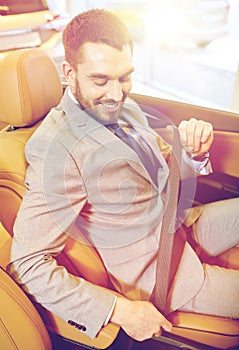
95	26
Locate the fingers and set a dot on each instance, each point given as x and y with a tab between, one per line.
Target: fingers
166	325
158	334
196	135
139	319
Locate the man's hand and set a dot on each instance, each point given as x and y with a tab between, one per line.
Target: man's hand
196	136
139	319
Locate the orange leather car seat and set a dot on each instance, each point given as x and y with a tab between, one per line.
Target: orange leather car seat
29	87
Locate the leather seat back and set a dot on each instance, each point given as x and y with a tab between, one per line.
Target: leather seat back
26	97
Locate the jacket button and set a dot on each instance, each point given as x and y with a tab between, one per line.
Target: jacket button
76	325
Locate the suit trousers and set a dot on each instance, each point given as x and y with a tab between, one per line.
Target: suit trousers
216	231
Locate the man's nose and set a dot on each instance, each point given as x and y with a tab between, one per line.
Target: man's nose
114	91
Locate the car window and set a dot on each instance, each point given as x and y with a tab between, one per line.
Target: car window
14	7
185	50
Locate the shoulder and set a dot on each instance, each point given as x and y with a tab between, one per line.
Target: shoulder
46	134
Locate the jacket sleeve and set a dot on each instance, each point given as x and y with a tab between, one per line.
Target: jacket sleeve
54	198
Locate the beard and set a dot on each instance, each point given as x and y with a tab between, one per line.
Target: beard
103	110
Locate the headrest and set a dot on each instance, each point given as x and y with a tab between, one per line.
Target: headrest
30	86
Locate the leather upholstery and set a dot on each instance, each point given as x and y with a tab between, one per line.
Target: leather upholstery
29	87
20	324
12	172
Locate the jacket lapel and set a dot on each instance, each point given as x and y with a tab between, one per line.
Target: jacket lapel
83	125
135	116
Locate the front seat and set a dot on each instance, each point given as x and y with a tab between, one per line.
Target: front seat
29	87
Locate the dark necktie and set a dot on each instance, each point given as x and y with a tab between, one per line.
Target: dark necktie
134	140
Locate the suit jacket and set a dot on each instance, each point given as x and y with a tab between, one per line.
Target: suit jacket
82	179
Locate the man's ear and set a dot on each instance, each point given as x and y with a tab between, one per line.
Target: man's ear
69	73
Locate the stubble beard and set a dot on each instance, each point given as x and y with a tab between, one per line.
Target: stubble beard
96	110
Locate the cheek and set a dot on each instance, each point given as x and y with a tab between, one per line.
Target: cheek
85	87
90	94
127	87
93	92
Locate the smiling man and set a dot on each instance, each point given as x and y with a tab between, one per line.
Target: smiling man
105	75
85	177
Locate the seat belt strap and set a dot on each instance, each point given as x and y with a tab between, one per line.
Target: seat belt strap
160	292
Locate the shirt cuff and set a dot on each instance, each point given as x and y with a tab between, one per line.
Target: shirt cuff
201	167
111	312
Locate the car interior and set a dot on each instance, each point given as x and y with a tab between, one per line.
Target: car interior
30	86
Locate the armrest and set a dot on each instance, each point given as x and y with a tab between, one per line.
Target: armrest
215	332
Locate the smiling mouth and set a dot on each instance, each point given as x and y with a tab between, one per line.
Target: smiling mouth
111	106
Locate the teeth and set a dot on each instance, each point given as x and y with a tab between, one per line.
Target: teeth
110	105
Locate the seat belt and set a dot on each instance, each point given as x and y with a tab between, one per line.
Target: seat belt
164	258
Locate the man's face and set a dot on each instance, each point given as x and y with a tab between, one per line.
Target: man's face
103	80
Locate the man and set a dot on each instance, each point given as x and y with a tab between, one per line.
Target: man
84	179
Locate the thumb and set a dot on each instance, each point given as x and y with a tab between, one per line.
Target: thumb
167	326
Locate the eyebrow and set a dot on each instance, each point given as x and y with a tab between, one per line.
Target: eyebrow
105	76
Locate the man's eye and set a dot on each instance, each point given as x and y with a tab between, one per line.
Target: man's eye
100	82
125	78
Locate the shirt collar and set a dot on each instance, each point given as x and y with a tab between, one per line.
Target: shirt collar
72	97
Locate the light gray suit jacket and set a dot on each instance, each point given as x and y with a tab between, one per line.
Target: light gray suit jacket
82	178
